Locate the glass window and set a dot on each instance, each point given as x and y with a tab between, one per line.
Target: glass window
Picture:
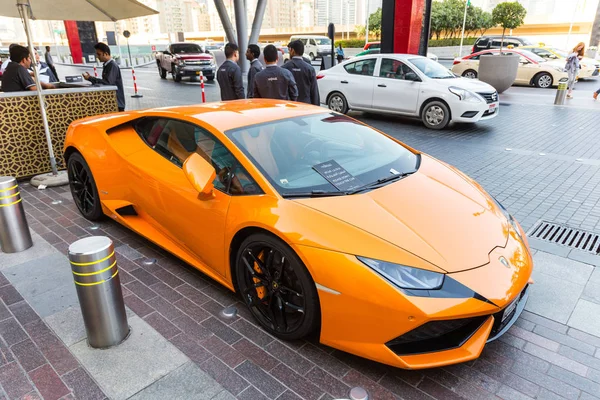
177	140
432	69
186	48
323	41
287	151
393	69
312	42
496	43
362	67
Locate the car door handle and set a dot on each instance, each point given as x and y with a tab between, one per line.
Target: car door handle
344	82
381	85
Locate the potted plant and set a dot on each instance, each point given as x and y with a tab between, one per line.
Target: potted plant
501	71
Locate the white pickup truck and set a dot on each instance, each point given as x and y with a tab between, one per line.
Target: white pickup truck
185	59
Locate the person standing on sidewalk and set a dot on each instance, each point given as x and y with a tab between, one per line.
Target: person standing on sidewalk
229	75
50	62
304	74
111	73
274	82
256	66
572	66
340	53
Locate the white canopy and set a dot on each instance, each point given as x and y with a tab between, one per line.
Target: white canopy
78	10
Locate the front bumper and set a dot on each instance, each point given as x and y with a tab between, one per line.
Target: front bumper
474	112
194	70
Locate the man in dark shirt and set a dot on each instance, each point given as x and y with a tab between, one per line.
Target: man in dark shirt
274	82
50	62
229	75
304	74
16	77
256	66
111	73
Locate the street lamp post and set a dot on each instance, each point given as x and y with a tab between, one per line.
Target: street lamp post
367	24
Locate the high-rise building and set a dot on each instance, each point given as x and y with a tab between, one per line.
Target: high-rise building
337	11
171	16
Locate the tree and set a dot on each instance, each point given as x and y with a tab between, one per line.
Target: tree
487	22
375	23
360	31
509	15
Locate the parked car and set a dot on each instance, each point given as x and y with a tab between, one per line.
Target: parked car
185	59
533	69
589	66
314	46
376	49
494	42
322	225
409	85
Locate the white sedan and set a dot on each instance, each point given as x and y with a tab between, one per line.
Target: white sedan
406	84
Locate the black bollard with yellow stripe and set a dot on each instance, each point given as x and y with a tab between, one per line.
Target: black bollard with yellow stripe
14	231
96	276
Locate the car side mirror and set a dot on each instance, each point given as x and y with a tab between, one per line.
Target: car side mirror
200	173
411	76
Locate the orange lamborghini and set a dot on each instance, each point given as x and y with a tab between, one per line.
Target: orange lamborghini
321	223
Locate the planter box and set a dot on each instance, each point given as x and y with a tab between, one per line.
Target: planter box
500	71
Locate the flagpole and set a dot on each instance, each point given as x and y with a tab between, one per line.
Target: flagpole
462	35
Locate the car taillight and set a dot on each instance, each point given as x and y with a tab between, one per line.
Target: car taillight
319	76
456	62
473	49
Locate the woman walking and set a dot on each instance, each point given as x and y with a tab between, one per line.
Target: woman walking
340	53
572	66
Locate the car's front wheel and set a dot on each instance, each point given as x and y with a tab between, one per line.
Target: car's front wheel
470	73
435	115
277	287
543	80
83	187
337	102
162	72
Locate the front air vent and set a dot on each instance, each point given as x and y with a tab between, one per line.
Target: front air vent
566	236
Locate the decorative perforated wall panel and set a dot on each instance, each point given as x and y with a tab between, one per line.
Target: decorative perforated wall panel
23	148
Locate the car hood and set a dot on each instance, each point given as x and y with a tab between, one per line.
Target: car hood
473	85
437	214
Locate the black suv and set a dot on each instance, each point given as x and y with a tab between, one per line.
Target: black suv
493	42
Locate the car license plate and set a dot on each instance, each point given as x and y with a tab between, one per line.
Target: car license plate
492	106
508	310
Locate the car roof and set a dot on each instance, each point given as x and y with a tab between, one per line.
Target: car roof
224	116
402	56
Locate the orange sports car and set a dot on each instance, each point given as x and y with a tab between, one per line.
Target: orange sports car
321	223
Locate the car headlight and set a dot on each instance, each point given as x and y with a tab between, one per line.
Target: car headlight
465	95
405	277
509	217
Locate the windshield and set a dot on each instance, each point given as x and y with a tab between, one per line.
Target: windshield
322	42
532	56
186	48
432	69
289	153
561	53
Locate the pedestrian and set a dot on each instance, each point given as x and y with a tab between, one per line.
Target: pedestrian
5	64
340	53
50	61
572	66
16	77
44	69
256	66
111	73
274	82
304	74
596	93
229	75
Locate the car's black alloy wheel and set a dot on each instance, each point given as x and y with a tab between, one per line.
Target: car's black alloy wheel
276	287
83	188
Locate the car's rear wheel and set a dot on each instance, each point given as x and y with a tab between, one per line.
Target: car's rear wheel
337	102
470	73
162	72
83	188
543	80
277	287
435	115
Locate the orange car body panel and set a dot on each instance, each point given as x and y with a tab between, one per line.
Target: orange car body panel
436	219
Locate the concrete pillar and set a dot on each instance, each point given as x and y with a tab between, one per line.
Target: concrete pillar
225	21
261	5
401	26
241	25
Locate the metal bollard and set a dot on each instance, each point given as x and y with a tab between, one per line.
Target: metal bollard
561	92
96	276
14	231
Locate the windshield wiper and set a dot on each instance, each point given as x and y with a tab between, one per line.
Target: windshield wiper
313	193
380	182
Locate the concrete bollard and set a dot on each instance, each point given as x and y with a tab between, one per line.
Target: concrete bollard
14	231
96	276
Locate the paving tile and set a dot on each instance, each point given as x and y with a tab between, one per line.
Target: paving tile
255	354
550	264
585	359
288	395
438	391
255	334
167	292
403	389
534	338
292	359
327	382
193	294
165	308
14	381
48	383
23	313
144	276
251	393
584	384
195	312
37	329
230	356
227	377
221	330
548	323
137	305
296	382
513	341
371	369
524	324
474	377
28	355
9	295
546	382
556	359
507	378
561	304
187	382
376	391
193	329
11	331
190	347
162	325
224	395
128	252
68	325
215	309
324	360
141	290
564	339
591	292
584	337
168	278
580	319
40	249
518	356
82	385
55	351
508	393
140	360
220	295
